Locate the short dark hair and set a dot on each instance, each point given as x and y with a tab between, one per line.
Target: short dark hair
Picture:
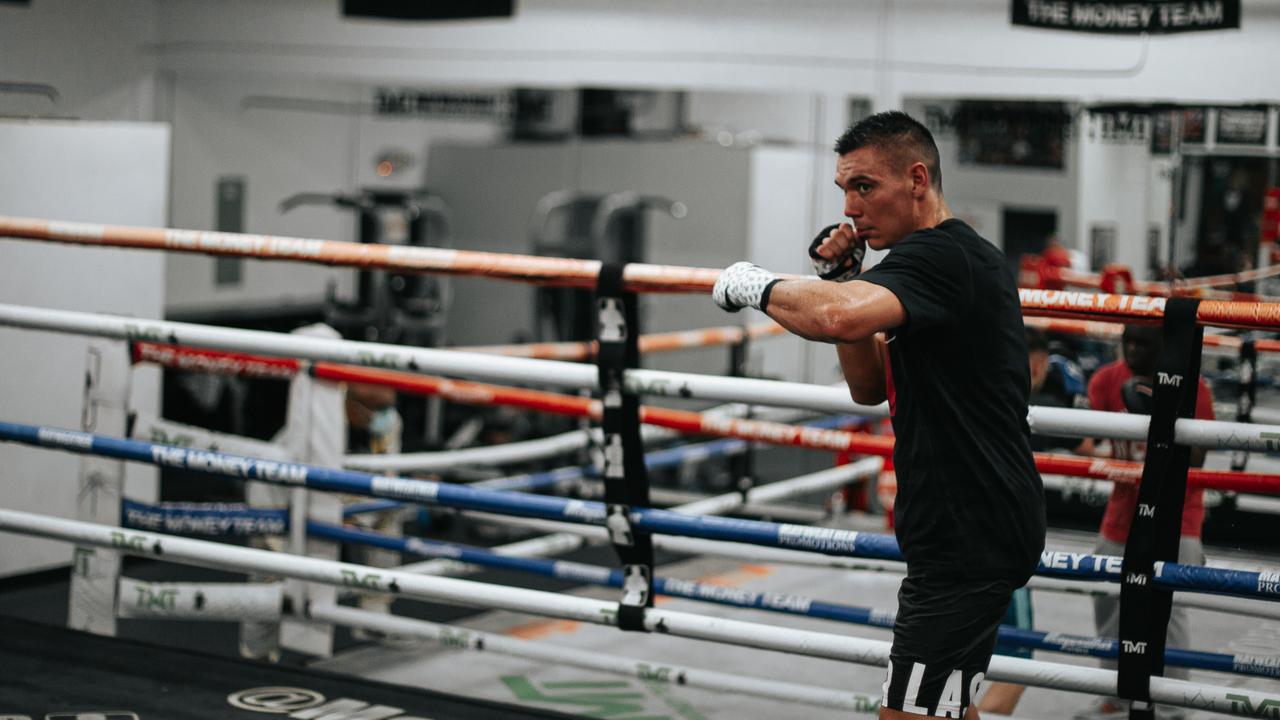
1149	335
898	133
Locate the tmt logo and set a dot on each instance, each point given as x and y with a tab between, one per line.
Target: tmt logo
655	673
80	563
455	638
1145	510
1135	579
128	542
156	600
369	581
1137	648
1243	705
1167	379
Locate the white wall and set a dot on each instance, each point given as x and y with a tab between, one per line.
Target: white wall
102	172
754	117
225	126
93	53
1114	192
980	193
786	69
1159	186
833	46
279	153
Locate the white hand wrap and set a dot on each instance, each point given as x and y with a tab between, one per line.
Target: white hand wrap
743	284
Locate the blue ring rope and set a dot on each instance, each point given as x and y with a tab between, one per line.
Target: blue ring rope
775	602
829	541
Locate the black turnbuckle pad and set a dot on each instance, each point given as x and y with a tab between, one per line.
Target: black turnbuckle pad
1157	522
626	483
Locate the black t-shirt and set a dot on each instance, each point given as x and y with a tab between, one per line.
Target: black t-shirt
970	502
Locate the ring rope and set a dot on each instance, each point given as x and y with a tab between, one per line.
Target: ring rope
1255	607
474	594
223	601
652	343
713	424
1111	332
1195	287
562	272
1261	584
648	670
1240	664
688	422
1055	421
527	482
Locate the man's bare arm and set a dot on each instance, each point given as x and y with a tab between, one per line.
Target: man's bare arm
852	315
834	312
862	363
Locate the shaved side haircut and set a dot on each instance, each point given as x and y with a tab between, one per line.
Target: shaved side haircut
898	134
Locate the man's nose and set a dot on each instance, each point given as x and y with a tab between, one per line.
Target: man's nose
852	208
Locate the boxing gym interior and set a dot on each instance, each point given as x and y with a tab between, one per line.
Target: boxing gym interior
369	359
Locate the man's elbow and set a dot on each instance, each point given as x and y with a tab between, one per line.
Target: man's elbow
841	326
868	395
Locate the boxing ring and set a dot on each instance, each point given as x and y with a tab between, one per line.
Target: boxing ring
694	528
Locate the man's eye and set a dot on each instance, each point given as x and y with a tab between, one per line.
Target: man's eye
862	187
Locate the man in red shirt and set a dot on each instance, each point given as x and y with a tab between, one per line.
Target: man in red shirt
1125	386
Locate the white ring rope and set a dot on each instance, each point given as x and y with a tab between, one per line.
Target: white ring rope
541	448
650	671
566	538
473	594
228	601
1052	421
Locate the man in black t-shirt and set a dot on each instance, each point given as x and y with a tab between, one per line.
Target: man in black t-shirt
936	329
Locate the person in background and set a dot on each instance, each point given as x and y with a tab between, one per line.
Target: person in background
373	427
373	424
1055	382
1125	385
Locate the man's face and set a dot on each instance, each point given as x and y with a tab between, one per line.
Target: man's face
1141	350
879	196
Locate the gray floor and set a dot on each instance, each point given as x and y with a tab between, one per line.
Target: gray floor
501	678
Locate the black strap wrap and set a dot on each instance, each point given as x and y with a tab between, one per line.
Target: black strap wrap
1248	375
626	483
742	467
1157	521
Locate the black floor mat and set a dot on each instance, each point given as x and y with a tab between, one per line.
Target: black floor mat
58	674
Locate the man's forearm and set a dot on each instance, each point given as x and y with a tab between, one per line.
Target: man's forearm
862	363
833	312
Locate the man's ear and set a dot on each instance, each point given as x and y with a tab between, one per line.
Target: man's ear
919	173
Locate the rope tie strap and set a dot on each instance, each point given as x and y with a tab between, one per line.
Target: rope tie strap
626	482
1157	522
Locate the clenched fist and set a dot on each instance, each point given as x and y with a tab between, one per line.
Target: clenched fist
837	253
743	284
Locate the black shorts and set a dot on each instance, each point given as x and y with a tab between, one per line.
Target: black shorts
942	642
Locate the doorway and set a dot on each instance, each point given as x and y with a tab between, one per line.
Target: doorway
1027	232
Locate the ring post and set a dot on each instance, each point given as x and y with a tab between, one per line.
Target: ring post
626	482
95	571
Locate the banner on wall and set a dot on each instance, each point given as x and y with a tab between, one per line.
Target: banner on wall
1242	126
1157	17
